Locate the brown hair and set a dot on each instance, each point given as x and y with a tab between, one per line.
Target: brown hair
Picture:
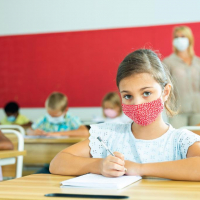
188	33
56	100
114	98
147	61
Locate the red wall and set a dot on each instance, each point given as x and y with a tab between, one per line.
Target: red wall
81	64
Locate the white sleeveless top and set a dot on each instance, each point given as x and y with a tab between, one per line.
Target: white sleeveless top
173	145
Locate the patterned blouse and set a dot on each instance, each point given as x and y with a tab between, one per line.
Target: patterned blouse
70	123
173	145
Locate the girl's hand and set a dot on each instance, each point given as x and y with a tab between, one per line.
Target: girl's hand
133	169
113	166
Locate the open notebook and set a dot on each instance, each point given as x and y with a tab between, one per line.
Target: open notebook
99	181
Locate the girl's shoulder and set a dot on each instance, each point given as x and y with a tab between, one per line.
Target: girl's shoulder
185	137
183	132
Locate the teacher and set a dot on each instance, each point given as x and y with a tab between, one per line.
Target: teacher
184	67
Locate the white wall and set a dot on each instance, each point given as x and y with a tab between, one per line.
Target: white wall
85	114
41	16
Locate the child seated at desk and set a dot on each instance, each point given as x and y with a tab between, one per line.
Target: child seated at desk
5	144
146	147
58	121
13	116
112	110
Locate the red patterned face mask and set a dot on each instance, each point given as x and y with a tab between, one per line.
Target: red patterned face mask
145	113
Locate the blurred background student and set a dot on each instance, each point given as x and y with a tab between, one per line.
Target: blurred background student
13	115
112	110
58	121
5	144
184	67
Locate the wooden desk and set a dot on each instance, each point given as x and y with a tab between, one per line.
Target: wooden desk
8	157
43	150
39	151
36	185
11	153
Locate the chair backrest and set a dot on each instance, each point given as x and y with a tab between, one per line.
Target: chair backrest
19	165
18	127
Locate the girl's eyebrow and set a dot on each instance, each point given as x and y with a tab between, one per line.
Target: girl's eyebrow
145	88
126	91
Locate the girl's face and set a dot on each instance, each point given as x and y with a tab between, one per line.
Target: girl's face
141	88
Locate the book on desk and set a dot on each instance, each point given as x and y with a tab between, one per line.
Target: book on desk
100	182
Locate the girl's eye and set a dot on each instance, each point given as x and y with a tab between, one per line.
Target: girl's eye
146	94
127	97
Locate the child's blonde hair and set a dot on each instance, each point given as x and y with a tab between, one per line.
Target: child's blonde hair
147	61
56	101
188	33
114	99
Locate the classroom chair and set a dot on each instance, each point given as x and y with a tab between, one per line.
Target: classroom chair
19	159
15	127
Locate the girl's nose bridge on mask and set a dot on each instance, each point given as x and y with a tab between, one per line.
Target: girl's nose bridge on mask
137	100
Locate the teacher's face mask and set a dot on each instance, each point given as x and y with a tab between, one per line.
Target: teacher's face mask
181	43
145	113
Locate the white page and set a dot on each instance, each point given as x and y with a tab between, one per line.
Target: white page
99	181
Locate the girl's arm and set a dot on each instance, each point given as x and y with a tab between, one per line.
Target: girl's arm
82	131
76	160
185	169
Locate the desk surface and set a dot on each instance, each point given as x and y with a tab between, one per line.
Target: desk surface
69	140
60	140
36	185
11	153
